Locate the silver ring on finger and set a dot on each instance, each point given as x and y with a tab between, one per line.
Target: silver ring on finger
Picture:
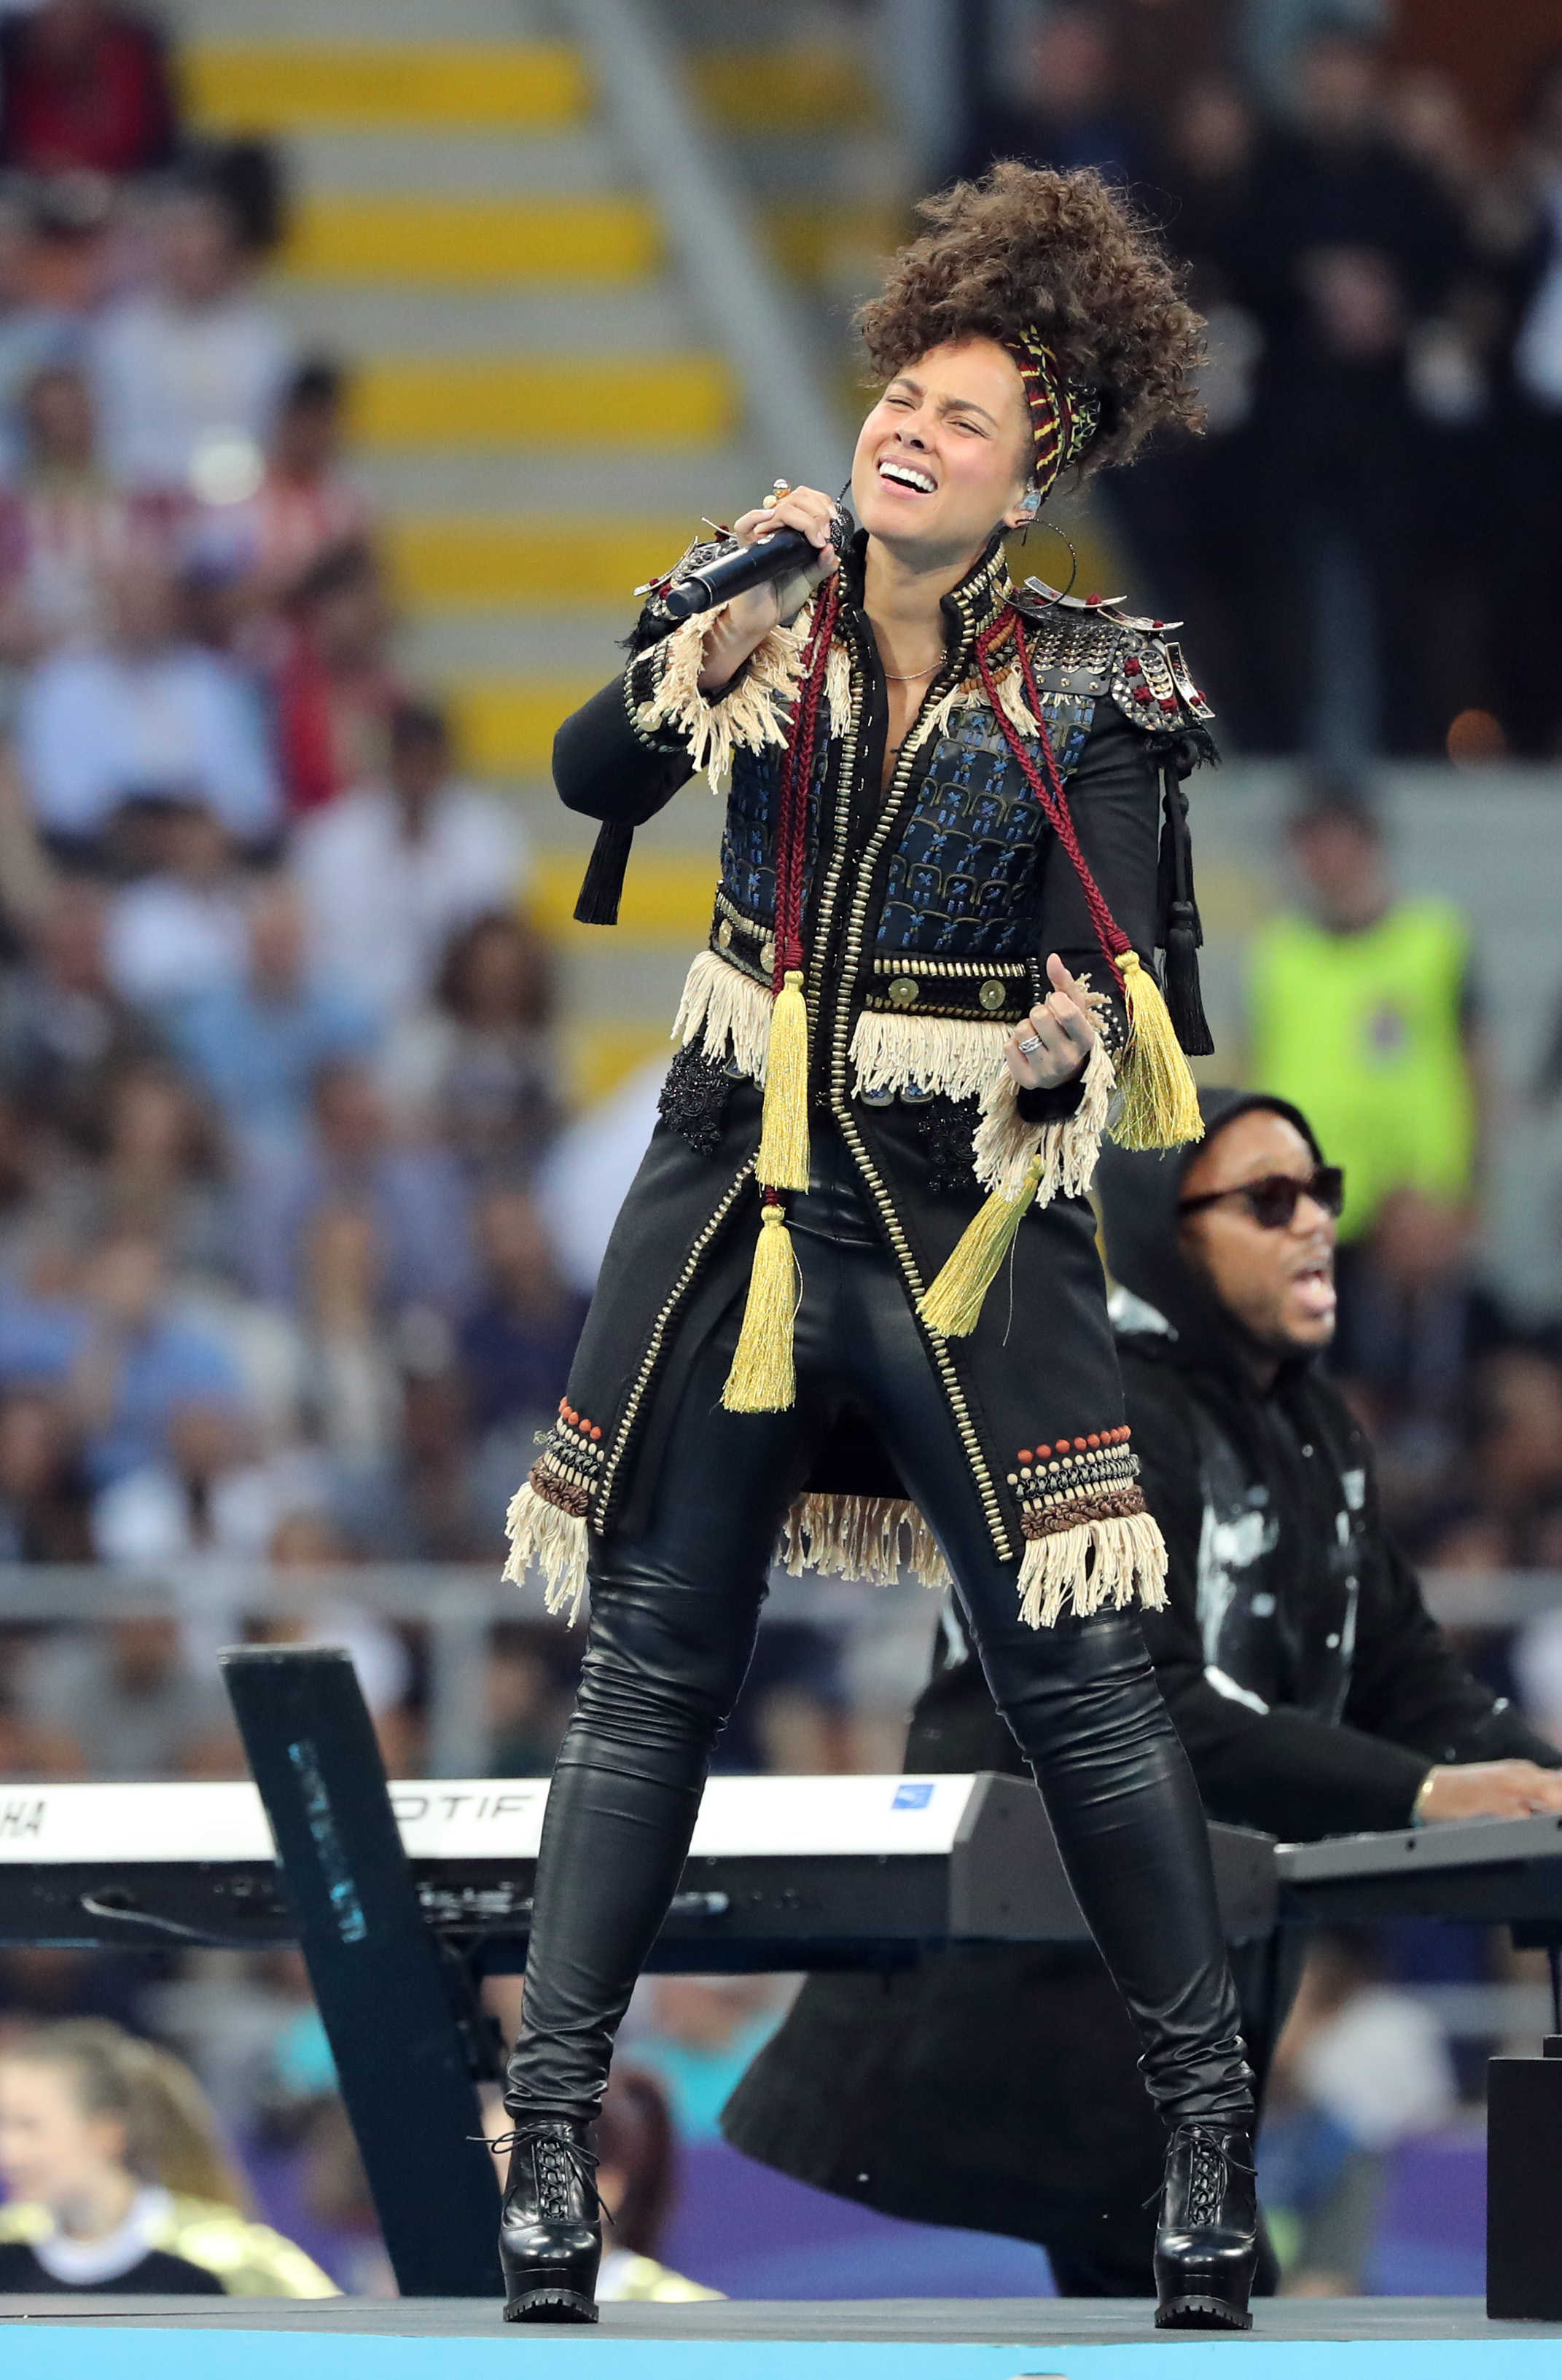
1026	1047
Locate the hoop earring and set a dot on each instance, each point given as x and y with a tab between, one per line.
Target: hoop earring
1057	593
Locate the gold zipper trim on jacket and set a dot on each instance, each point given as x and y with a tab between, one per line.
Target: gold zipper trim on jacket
829	887
850	959
830	884
953	1390
658	1332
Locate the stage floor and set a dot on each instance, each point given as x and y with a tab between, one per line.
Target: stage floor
1017	2338
996	2322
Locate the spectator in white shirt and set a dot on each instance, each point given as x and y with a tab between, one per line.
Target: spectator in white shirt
188	372
179	933
388	872
144	713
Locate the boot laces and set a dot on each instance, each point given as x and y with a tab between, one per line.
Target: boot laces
558	2161
1210	2167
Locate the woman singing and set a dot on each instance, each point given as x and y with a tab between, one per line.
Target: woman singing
955	839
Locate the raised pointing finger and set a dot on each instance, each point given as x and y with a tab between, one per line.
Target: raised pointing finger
1061	980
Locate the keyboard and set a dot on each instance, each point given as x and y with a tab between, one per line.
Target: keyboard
1491	1871
794	1871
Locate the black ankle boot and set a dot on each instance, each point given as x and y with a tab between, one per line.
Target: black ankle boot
550	2229
1206	2242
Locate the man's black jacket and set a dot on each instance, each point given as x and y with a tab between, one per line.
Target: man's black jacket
1310	1685
1311	1690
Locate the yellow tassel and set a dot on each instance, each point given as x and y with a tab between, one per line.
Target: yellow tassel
762	1379
952	1305
783	1158
1160	1101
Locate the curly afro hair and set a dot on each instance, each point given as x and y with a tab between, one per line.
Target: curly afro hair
1027	247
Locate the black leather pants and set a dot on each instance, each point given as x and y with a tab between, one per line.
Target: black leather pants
673	1610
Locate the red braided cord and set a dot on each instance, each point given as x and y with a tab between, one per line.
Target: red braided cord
1048	788
797	767
1113	939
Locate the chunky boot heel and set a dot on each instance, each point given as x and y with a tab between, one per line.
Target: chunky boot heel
1206	2242
550	2229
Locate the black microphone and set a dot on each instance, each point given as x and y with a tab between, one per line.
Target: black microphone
777	556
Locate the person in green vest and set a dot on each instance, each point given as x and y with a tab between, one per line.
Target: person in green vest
1362	1011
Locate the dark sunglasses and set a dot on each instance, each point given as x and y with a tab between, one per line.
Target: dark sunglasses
1271	1201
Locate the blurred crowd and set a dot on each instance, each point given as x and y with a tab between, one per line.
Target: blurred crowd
276	1065
277	1056
1368	535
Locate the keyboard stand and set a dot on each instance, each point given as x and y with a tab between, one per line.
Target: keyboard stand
399	2013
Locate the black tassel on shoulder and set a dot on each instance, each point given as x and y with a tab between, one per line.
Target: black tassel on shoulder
1181	933
1185	1001
602	887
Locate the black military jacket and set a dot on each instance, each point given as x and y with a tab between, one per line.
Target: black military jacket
931	907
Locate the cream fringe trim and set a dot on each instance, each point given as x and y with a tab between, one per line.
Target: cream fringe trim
874	1538
1011	695
1096	1563
755	713
878	1539
953	1054
1004	1143
556	1542
726	1012
728	1015
750	716
837	688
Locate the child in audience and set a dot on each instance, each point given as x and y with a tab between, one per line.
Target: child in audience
116	2179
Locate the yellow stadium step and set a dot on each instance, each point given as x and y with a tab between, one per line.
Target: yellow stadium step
359	85
444	561
470	241
668	900
505	726
621	404
289	86
823	240
778	88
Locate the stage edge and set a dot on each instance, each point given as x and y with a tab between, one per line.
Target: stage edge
69	2350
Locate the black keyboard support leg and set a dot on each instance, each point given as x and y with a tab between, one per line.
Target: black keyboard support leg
1523	2176
373	1966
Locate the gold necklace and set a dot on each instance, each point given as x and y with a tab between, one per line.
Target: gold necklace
910	677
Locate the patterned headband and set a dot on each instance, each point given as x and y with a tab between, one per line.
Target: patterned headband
1064	420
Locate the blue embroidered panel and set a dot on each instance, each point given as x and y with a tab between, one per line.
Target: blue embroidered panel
965	857
747	843
960	877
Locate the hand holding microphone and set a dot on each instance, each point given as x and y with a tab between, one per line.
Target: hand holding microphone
791	551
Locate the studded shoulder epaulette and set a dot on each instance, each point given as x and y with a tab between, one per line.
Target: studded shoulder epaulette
1088	643
1085	646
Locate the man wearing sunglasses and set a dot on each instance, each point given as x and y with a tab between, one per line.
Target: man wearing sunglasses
1311	1689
